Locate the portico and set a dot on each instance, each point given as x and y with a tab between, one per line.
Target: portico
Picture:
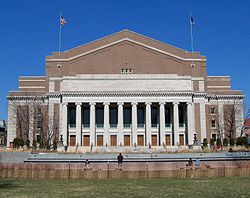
122	124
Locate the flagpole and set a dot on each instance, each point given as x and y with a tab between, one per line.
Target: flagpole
191	34
60	35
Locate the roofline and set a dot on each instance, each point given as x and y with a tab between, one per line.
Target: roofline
121	40
220	76
126	30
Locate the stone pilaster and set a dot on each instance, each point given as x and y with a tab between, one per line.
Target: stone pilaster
106	123
134	122
120	123
190	118
162	123
92	124
78	123
148	123
176	123
65	123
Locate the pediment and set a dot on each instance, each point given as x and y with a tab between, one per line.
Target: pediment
129	38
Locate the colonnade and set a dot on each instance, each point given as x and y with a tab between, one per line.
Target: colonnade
161	140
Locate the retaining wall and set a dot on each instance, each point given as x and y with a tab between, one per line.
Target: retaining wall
128	170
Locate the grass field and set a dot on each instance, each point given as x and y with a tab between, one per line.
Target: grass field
209	187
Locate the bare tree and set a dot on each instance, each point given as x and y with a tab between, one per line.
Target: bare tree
21	115
47	127
31	115
247	116
228	120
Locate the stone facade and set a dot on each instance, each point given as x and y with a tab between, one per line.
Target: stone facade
129	90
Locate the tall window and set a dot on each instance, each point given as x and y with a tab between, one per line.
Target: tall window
182	115
140	116
127	116
212	110
72	116
99	116
154	116
86	116
113	116
167	116
213	123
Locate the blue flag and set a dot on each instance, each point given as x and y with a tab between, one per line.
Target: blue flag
191	20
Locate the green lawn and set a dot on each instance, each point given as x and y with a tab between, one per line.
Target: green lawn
209	187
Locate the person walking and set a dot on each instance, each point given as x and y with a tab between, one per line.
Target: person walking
120	160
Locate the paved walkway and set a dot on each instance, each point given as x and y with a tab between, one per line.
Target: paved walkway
18	157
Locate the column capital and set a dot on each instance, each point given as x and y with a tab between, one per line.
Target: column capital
65	103
176	103
189	103
106	103
120	103
92	103
148	103
134	103
78	103
162	103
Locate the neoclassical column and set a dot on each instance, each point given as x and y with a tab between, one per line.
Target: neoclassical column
203	119
176	123
148	123
106	123
92	123
120	123
162	124
78	123
12	122
134	122
190	121
65	123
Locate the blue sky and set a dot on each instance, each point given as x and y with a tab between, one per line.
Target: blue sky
29	32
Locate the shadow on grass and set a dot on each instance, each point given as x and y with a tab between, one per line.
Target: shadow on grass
7	184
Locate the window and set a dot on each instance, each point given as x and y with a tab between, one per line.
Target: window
212	110
213	123
154	116
113	116
126	71
140	116
72	116
86	116
127	116
167	116
99	116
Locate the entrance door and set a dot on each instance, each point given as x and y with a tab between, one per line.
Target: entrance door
181	139
72	140
113	139
168	140
99	140
86	140
154	140
140	140
126	140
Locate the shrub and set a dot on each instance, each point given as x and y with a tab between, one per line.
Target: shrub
232	141
218	142
17	142
212	142
225	142
34	144
27	143
54	144
205	142
241	141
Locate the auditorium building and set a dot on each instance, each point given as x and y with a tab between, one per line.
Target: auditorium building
127	89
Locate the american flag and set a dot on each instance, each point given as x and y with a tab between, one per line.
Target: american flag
62	21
